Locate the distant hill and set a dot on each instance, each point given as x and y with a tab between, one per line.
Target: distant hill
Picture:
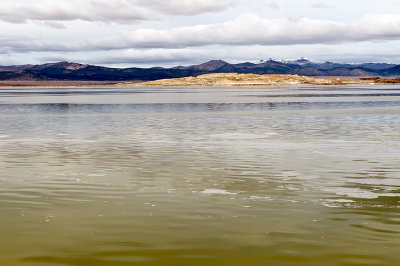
73	71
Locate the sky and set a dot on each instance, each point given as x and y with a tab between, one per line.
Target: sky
144	33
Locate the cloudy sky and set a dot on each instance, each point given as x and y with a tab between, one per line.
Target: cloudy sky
124	33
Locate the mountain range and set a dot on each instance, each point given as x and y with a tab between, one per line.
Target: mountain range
74	71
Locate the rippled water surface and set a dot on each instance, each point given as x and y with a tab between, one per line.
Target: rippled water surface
200	176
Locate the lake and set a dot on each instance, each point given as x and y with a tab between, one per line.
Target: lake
200	176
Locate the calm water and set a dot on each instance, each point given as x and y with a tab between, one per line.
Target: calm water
200	176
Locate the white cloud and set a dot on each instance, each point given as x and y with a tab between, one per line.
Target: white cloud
178	31
246	30
250	29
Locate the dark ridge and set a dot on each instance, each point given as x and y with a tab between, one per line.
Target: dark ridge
66	71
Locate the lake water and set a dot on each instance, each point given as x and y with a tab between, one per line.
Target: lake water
200	176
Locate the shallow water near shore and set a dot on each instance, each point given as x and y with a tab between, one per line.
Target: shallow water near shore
200	176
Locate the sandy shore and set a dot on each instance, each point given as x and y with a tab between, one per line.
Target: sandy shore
234	79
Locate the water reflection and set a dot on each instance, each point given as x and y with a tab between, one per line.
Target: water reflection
65	108
226	183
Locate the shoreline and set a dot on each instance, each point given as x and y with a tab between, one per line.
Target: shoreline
55	83
212	80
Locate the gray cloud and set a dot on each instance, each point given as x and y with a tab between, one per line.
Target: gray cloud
187	7
10	43
273	5
99	10
321	5
119	11
51	24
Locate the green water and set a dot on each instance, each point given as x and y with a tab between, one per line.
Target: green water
200	176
